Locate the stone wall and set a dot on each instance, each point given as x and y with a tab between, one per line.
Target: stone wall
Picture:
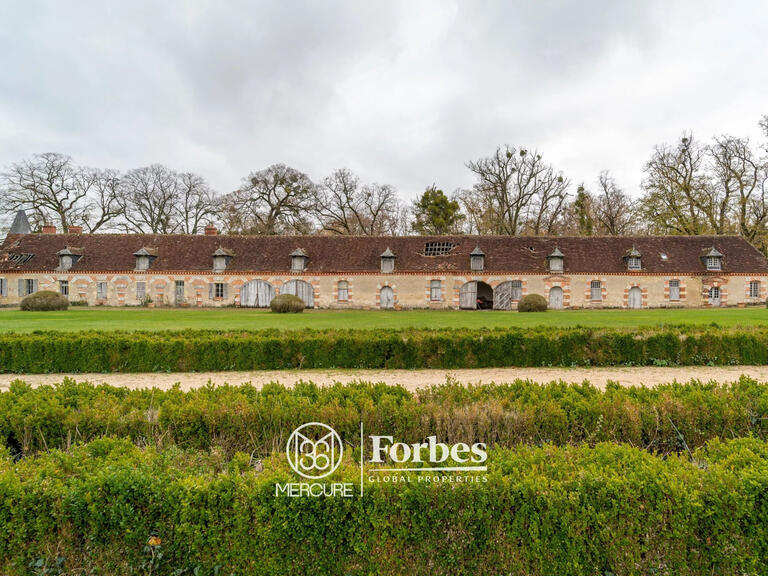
410	290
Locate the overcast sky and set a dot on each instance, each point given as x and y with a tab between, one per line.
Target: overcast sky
401	92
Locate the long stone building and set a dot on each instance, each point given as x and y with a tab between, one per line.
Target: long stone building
467	272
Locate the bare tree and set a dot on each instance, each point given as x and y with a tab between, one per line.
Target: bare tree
613	208
678	194
764	125
149	198
196	203
516	192
104	207
51	187
276	200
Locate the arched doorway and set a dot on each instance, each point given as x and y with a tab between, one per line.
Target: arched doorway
475	295
386	298
302	289
506	294
257	294
635	298
556	298
714	296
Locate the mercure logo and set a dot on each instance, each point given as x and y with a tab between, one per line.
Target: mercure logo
314	450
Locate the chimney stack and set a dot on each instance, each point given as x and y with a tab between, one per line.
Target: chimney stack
49	229
75	230
210	230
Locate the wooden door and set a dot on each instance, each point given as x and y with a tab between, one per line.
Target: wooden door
635	299
468	296
503	296
302	289
257	294
556	298
387	298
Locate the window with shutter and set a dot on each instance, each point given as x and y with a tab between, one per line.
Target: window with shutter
3	287
435	291
64	287
754	289
595	291
674	290
343	291
101	290
141	290
517	290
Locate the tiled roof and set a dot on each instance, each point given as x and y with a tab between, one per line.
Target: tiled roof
359	254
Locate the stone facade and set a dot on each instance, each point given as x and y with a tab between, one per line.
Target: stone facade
410	290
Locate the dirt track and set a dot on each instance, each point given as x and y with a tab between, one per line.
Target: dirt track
411	379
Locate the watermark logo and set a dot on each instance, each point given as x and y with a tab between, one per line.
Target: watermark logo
314	450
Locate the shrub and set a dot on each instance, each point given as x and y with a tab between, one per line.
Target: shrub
532	303
44	301
111	508
287	304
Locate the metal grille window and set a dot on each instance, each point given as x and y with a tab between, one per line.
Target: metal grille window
674	290
20	258
754	289
64	287
101	290
633	263
438	248
141	290
517	290
435	291
343	291
596	291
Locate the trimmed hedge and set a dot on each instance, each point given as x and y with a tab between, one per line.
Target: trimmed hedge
44	301
287	304
532	303
111	508
662	419
197	351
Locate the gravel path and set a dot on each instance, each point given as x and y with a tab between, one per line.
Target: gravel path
411	379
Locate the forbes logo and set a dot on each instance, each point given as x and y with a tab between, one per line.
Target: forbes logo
432	452
314	450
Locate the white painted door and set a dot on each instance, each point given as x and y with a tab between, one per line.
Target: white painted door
257	294
468	296
301	289
556	298
387	298
635	299
714	296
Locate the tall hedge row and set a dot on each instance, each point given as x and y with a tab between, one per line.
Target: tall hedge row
666	418
111	508
190	351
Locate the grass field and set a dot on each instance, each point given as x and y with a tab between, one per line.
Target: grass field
76	319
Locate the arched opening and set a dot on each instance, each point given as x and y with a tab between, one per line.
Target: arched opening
302	289
635	298
475	295
386	298
714	296
556	298
257	294
506	294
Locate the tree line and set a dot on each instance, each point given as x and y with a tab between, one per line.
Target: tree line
689	187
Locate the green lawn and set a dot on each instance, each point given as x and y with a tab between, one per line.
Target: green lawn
13	320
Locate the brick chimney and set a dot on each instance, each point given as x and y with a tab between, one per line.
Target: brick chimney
49	229
75	230
210	230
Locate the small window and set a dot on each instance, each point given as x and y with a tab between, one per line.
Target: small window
64	287
142	262
387	265
517	290
343	289
20	259
555	264
674	290
438	248
3	287
435	291
664	257
298	264
29	286
477	263
219	290
754	289
634	263
596	291
101	290
141	290
713	263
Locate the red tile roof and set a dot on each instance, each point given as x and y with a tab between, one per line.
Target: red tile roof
360	254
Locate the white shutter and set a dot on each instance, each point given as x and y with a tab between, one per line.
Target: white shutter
211	288
22	288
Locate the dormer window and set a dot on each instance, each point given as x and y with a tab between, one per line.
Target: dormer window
634	259
387	261
555	260
68	257
299	260
144	258
221	259
477	260
713	259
